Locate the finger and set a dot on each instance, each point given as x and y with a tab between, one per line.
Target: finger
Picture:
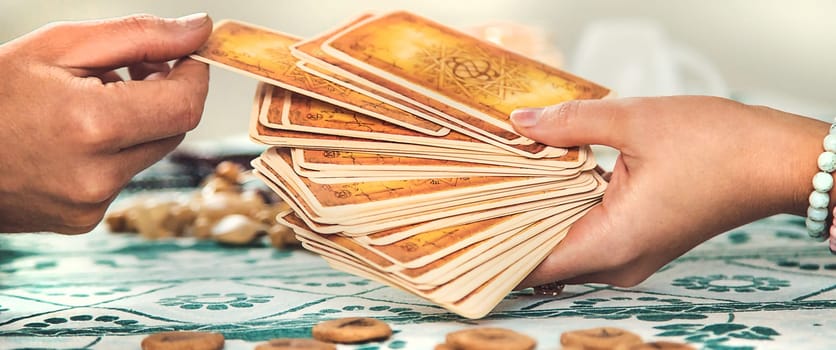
573	123
109	77
81	218
131	161
578	254
139	71
124	41
152	109
606	277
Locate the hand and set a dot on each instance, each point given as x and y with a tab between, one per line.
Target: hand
73	132
690	168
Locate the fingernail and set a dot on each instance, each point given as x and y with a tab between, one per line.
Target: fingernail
526	117
194	20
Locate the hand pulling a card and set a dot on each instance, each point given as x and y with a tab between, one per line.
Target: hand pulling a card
391	141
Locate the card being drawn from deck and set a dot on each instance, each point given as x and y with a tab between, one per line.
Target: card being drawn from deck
265	55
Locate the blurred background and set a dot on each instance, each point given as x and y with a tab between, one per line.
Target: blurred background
772	52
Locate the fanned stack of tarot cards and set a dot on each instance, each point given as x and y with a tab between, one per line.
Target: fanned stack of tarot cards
392	143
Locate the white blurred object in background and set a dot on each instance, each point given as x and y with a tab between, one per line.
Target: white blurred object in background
634	57
529	41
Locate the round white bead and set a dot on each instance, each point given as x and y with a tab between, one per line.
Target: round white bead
822	182
833	128
814	226
819	199
818	236
827	161
829	143
818	214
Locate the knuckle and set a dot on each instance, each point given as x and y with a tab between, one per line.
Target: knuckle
141	23
137	28
85	226
92	113
91	193
193	113
50	29
94	132
568	113
82	220
77	230
191	110
563	115
47	43
93	189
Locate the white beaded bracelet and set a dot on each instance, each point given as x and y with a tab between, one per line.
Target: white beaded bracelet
822	184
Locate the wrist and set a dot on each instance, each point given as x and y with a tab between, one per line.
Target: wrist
805	165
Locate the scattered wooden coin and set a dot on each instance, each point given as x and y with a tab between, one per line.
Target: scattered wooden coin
295	343
659	345
604	338
352	330
487	338
183	341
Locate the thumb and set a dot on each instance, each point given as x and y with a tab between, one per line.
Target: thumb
583	251
573	123
124	41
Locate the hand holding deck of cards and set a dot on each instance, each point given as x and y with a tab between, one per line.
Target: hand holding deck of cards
391	141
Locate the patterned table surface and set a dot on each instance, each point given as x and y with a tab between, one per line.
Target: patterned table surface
762	286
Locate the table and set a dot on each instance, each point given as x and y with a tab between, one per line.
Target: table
762	286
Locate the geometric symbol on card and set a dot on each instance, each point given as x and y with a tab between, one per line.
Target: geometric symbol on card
472	71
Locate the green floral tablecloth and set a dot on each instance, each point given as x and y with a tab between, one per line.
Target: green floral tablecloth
763	286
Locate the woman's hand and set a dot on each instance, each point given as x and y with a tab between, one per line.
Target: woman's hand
690	168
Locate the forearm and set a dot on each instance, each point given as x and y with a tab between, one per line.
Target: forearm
800	141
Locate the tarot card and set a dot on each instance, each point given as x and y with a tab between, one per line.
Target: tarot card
363	199
436	62
337	163
379	218
297	112
265	55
